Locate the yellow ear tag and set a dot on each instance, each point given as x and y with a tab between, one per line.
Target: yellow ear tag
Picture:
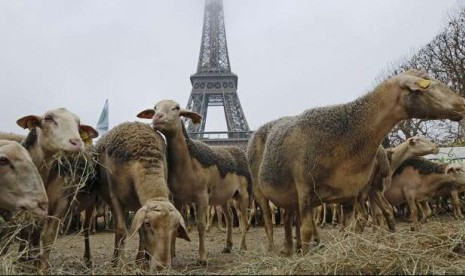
424	83
85	138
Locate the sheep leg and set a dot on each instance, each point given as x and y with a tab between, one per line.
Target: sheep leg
361	213
243	202
228	216
298	237
323	219
251	214
210	216
288	241
120	230
380	202
202	204
307	227
454	194
219	214
348	211
142	257
50	232
178	205
86	229
267	216
335	209
413	213
425	211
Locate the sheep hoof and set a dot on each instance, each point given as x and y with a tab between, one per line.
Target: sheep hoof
286	252
202	262
88	263
226	250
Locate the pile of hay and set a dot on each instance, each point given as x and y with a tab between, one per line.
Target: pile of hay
439	248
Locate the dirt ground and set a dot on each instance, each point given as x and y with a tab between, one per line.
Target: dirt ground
69	249
66	257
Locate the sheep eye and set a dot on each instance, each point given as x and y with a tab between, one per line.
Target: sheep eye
176	108
49	118
4	161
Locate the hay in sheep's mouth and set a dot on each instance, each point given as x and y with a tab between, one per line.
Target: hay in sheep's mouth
78	173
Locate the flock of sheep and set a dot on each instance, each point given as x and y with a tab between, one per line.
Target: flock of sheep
322	156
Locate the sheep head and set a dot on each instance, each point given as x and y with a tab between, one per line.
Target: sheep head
166	116
162	223
58	130
21	184
425	98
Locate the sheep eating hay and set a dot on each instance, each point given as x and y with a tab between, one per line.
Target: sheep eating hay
134	177
200	173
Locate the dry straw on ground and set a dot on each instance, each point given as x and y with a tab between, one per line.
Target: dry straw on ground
439	248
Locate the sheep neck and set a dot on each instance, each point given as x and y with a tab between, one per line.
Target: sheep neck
399	155
370	118
38	157
179	161
387	111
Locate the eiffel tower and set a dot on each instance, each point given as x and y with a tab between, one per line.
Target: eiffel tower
214	84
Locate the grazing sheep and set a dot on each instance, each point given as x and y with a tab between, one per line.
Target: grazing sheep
200	173
20	182
418	179
134	177
54	141
327	154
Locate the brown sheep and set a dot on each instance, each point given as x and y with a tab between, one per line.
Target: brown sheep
202	174
327	154
134	178
418	179
254	152
413	146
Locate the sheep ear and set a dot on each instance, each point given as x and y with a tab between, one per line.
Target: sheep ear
30	121
411	141
137	221
414	83
418	73
182	230
194	116
87	130
146	114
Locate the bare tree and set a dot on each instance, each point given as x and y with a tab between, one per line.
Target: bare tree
444	59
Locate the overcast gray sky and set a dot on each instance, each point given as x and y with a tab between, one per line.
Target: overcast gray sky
289	55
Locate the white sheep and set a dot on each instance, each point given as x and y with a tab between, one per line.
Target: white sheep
58	131
20	182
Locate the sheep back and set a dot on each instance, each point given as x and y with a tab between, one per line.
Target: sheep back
11	136
134	141
422	165
318	139
242	167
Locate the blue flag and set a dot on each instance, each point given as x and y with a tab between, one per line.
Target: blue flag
103	122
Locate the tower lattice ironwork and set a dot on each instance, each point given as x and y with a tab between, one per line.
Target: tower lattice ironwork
214	84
